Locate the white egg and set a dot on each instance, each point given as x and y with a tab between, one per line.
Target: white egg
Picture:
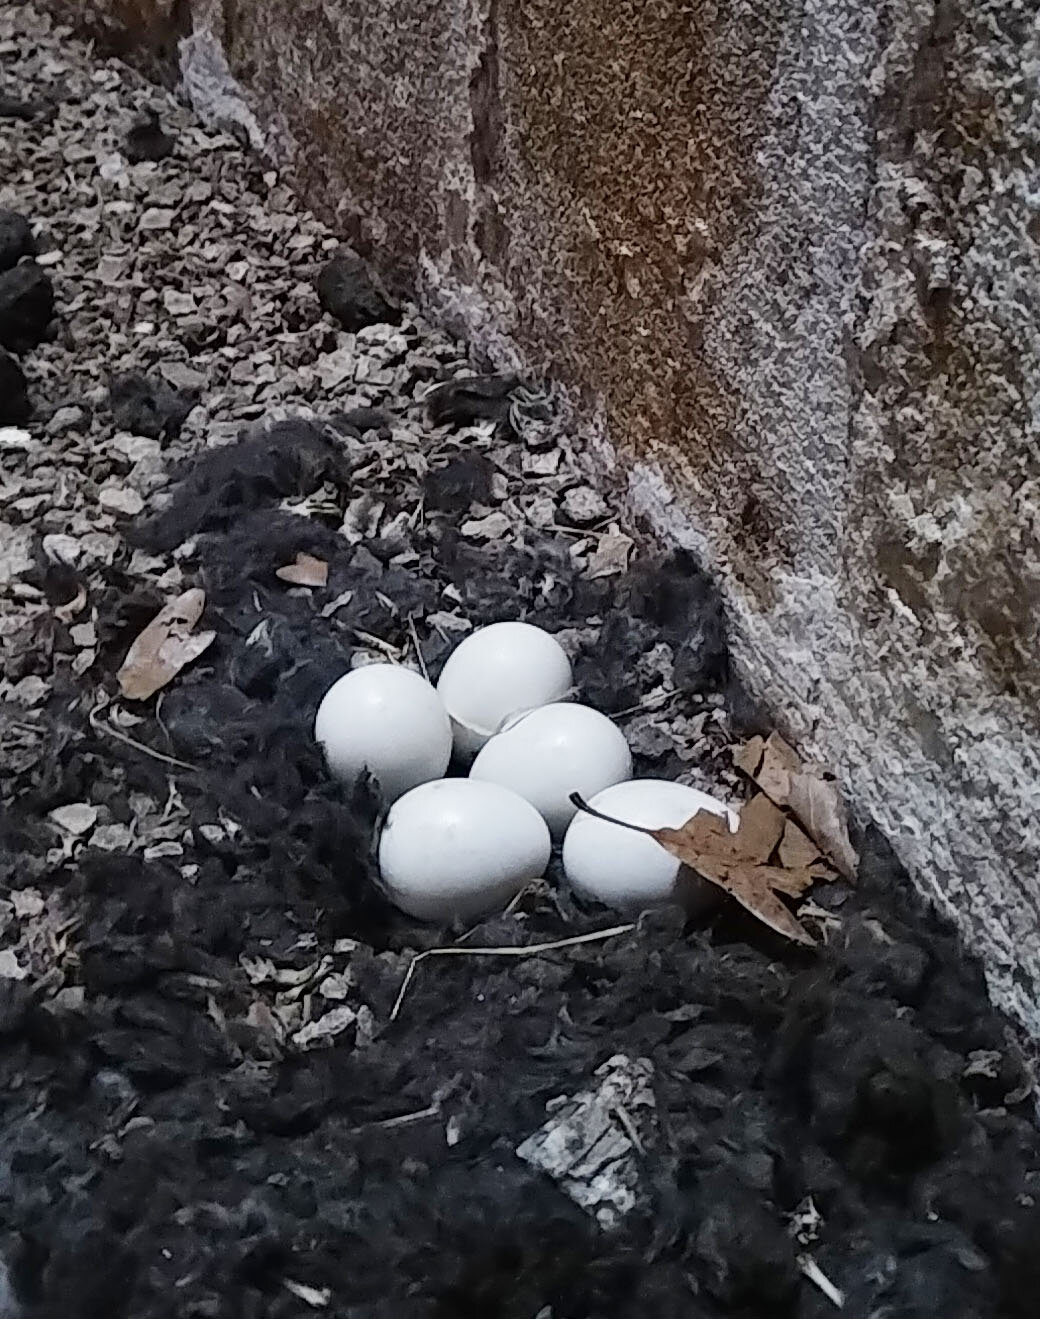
388	720
460	848
547	754
620	867
497	671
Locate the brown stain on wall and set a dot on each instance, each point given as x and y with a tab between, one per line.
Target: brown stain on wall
490	231
633	131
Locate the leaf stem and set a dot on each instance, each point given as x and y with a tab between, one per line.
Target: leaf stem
578	800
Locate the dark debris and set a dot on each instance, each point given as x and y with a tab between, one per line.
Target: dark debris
148	407
350	295
16	239
147	141
26	306
14	395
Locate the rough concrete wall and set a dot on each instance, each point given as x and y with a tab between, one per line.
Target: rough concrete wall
786	254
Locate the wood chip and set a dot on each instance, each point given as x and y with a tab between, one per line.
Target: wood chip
316	1297
76	818
306	571
165	647
495	526
10	967
611	556
121	499
75	606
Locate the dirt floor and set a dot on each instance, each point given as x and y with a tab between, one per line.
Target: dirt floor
228	1089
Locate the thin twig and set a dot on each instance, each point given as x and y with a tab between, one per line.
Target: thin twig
377	643
159	718
648	703
403	1120
623	1117
817	1276
103	726
534	886
418	649
514	902
525	950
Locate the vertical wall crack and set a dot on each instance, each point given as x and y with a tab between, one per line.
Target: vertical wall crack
485	137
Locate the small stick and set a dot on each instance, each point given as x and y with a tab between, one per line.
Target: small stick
623	1117
418	649
648	703
103	726
508	911
159	718
816	1275
377	643
404	1120
526	950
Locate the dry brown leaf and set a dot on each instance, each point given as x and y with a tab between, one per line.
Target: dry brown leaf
797	850
806	790
756	887
165	647
738	862
769	764
306	571
760	831
818	804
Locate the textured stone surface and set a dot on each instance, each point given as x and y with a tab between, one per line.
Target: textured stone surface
785	256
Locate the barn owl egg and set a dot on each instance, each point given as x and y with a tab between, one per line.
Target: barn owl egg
620	867
460	848
497	671
547	754
388	720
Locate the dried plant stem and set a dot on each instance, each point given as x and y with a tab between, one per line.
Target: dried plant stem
103	726
418	649
526	950
817	1276
648	703
403	1120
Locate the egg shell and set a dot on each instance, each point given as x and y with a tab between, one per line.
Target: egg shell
622	868
388	720
496	671
460	848
547	754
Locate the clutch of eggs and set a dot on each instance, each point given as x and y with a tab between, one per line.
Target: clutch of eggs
457	849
